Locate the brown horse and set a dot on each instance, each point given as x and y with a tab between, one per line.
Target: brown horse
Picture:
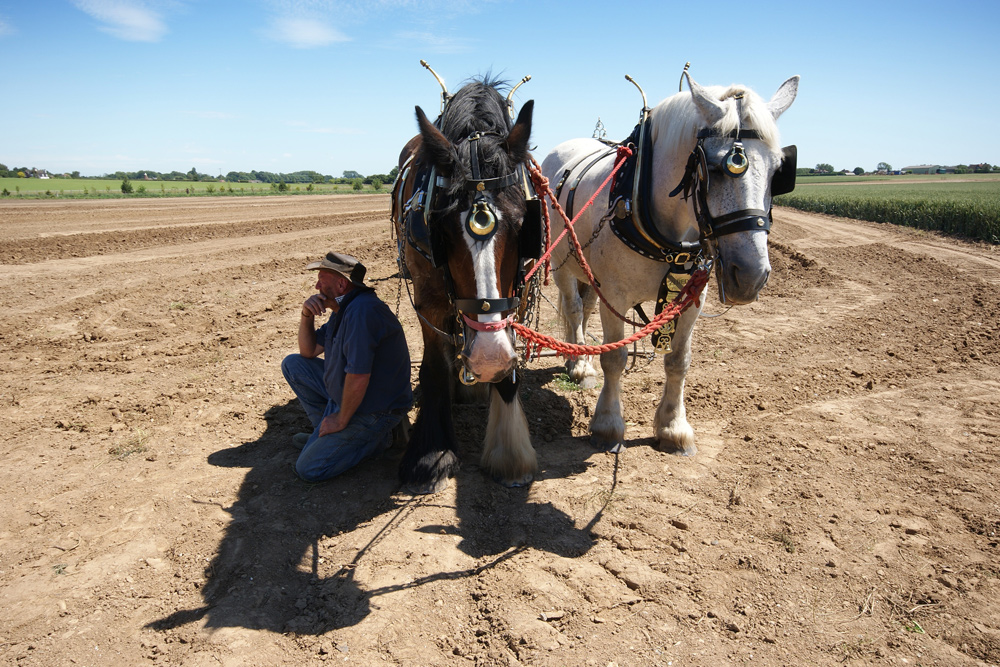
459	210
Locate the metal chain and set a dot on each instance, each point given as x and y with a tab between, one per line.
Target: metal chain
593	237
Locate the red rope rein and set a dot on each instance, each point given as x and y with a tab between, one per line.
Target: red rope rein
689	294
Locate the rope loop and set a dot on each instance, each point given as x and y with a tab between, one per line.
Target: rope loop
690	294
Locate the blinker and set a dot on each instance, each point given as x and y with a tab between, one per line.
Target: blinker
736	161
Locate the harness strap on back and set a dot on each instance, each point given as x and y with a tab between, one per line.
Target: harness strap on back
576	182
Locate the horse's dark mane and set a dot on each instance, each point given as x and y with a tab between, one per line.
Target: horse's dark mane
478	106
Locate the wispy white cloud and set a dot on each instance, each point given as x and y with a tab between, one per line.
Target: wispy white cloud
5	27
129	20
304	32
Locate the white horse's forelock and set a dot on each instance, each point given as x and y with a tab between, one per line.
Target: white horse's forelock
676	121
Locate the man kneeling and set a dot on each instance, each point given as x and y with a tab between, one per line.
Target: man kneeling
360	390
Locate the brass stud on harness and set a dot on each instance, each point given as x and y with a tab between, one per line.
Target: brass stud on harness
485	306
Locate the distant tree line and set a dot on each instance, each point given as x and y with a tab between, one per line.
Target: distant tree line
349	177
824	168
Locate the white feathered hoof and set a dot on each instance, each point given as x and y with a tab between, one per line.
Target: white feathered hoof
516	483
582	372
613	445
677	439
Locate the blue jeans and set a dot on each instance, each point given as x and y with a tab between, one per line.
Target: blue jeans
327	456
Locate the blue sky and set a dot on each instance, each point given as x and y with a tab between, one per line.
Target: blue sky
97	86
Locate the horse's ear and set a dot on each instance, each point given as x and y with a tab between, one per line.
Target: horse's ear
784	97
435	147
517	140
711	109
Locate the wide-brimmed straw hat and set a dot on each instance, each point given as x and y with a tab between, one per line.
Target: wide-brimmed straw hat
345	265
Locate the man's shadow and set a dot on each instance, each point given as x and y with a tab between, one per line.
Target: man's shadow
265	574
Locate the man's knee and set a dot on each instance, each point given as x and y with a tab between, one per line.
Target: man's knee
289	362
308	473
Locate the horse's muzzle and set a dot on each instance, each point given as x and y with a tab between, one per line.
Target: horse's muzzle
740	286
490	355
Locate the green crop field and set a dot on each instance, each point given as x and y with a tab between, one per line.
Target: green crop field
965	205
94	188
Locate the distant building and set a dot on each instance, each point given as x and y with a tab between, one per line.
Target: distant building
923	169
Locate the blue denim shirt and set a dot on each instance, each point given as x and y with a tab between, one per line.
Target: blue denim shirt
365	337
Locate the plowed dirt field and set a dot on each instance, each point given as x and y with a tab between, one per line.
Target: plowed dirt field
844	507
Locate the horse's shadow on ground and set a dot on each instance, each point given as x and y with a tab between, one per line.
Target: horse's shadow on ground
265	574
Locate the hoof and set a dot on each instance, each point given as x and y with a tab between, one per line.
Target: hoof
426	489
678	450
514	483
600	443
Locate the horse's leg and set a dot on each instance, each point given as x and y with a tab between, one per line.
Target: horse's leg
607	428
574	309
507	452
432	454
670	425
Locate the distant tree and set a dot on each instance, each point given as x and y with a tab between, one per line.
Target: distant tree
358	183
75	174
126	186
824	168
858	171
352	175
193	174
883	166
377	184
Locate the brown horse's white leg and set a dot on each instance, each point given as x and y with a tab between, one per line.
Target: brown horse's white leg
507	452
670	426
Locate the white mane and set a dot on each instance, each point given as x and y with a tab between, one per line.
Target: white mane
676	120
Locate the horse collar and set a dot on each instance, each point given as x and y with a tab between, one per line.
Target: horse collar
630	205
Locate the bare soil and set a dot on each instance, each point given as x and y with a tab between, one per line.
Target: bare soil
843	508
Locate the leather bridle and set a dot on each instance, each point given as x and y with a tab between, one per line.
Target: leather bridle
696	182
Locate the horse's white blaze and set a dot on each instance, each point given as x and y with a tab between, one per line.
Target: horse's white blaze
491	354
